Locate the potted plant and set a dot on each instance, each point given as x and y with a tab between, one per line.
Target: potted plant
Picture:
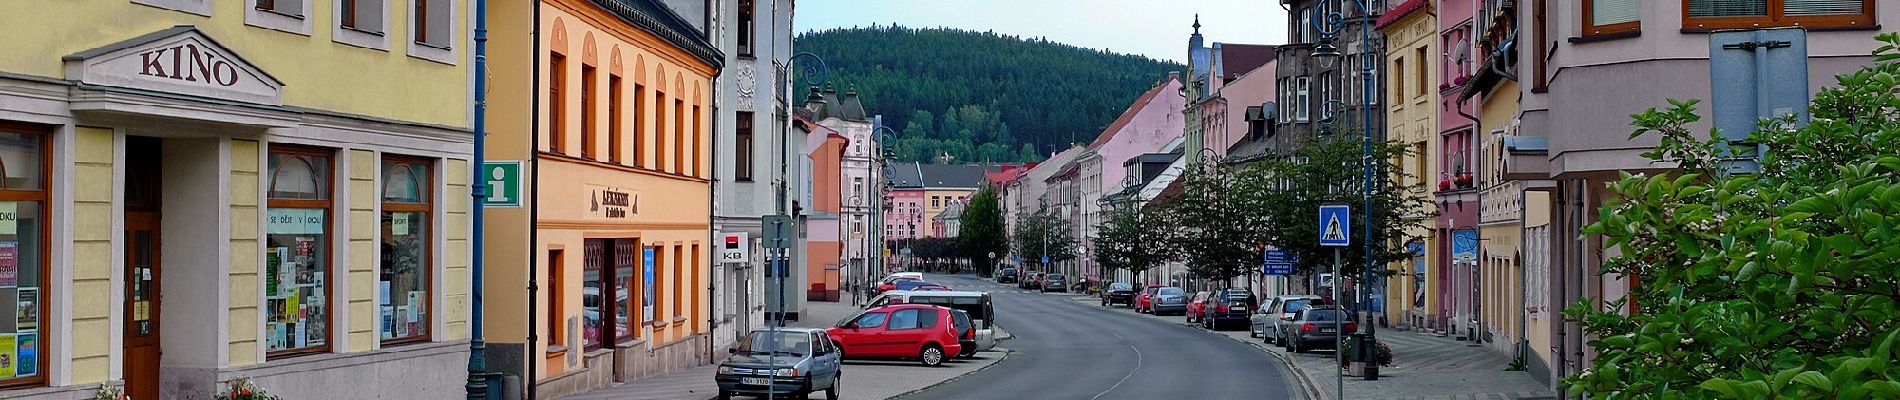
242	389
1444	185
1464	179
1382	353
109	392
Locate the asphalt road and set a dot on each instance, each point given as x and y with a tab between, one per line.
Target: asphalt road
1065	349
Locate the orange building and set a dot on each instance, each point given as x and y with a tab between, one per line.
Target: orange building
597	274
824	240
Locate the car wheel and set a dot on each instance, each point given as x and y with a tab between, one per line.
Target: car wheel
1299	346
831	393
932	355
725	395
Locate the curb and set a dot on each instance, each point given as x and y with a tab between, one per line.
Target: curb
1005	357
1306	382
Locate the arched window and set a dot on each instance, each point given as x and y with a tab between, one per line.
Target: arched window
403	284
297	251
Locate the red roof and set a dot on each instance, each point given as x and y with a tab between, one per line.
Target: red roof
1400	11
1239	59
1129	114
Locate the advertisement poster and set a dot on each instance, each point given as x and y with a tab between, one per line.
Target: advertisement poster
415	306
402	327
646	287
9	358
9	264
29	355
271	259
399	224
29	311
389	322
9	218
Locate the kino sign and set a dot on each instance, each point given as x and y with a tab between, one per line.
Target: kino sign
179	60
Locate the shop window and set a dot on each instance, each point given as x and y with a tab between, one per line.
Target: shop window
606	289
408	190
594	305
742	161
1720	14
23	267
1609	17
613	119
623	279
557	103
297	251
589	117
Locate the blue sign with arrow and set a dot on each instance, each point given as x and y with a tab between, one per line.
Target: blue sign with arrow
1335	225
1278	262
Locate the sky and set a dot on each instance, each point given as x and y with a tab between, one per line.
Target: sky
1154	28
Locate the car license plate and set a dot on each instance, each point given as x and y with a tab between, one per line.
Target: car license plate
1322	330
755	381
1240	309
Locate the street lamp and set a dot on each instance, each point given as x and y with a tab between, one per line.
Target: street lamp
814	67
1327	53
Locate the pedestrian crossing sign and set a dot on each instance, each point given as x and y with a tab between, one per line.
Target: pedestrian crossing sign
1335	225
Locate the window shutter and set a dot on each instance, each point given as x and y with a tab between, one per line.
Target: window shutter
369	16
1823	7
440	25
1728	8
1610	12
287	7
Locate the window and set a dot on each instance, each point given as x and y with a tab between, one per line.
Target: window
1541	24
1606	17
659	128
692	285
695	138
432	25
872	320
679	136
936	202
742	163
1424	79
746	27
404	283
557	103
286	7
588	116
362	15
928	318
639	126
904	319
1306	26
297	250
1398	80
623	279
1301	100
674	281
24	153
606	291
557	330
613	119
1720	14
1325	95
650	258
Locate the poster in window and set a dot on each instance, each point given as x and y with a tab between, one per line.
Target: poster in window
271	283
646	286
10	316
9	355
29	311
389	322
9	263
28	362
9	218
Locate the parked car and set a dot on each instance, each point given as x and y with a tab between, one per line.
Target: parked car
1227	307
981	311
1195	307
1146	298
1277	312
1316	327
890	282
1007	275
1168	300
1055	283
1119	293
791	362
1032	280
925	333
931	288
906	284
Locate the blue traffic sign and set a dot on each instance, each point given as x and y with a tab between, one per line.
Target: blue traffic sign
1045	259
1278	262
1335	225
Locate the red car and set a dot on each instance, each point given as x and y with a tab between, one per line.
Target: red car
1195	306
926	333
890	284
1146	298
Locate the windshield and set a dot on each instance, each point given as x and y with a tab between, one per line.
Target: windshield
1055	277
1170	291
1120	286
1293	305
1321	315
781	341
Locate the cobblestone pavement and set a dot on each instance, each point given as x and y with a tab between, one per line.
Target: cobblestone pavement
1425	367
863	380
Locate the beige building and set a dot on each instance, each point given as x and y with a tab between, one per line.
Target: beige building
1411	84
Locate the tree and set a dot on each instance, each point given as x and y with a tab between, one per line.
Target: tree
1043	234
981	232
1130	238
1777	284
1327	169
1214	231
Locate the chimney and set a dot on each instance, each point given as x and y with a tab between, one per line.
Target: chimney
1174	75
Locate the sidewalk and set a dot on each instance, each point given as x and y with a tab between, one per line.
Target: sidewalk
863	379
1424	367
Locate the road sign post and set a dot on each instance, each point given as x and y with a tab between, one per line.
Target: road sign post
1335	231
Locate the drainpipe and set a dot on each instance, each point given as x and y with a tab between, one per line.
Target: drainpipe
534	352
477	386
1561	225
712	237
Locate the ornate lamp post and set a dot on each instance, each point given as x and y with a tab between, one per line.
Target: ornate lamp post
1326	52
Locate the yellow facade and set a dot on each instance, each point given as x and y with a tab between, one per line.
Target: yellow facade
593	188
935	201
196	150
1412	120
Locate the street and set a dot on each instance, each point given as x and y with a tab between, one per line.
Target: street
1068	349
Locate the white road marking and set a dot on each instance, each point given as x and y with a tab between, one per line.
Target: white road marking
1131	373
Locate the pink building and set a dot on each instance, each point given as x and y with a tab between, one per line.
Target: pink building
1076	189
1456	191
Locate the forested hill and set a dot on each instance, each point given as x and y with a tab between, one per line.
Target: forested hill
982	96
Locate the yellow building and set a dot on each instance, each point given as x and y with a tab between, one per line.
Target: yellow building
197	191
600	273
1411	81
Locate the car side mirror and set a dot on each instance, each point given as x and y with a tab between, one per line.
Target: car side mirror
734	350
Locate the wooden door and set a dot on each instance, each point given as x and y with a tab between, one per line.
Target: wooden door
141	305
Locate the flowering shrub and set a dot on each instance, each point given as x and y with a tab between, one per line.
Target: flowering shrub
108	392
242	389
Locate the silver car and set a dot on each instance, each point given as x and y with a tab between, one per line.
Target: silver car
1277	312
788	361
1168	300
